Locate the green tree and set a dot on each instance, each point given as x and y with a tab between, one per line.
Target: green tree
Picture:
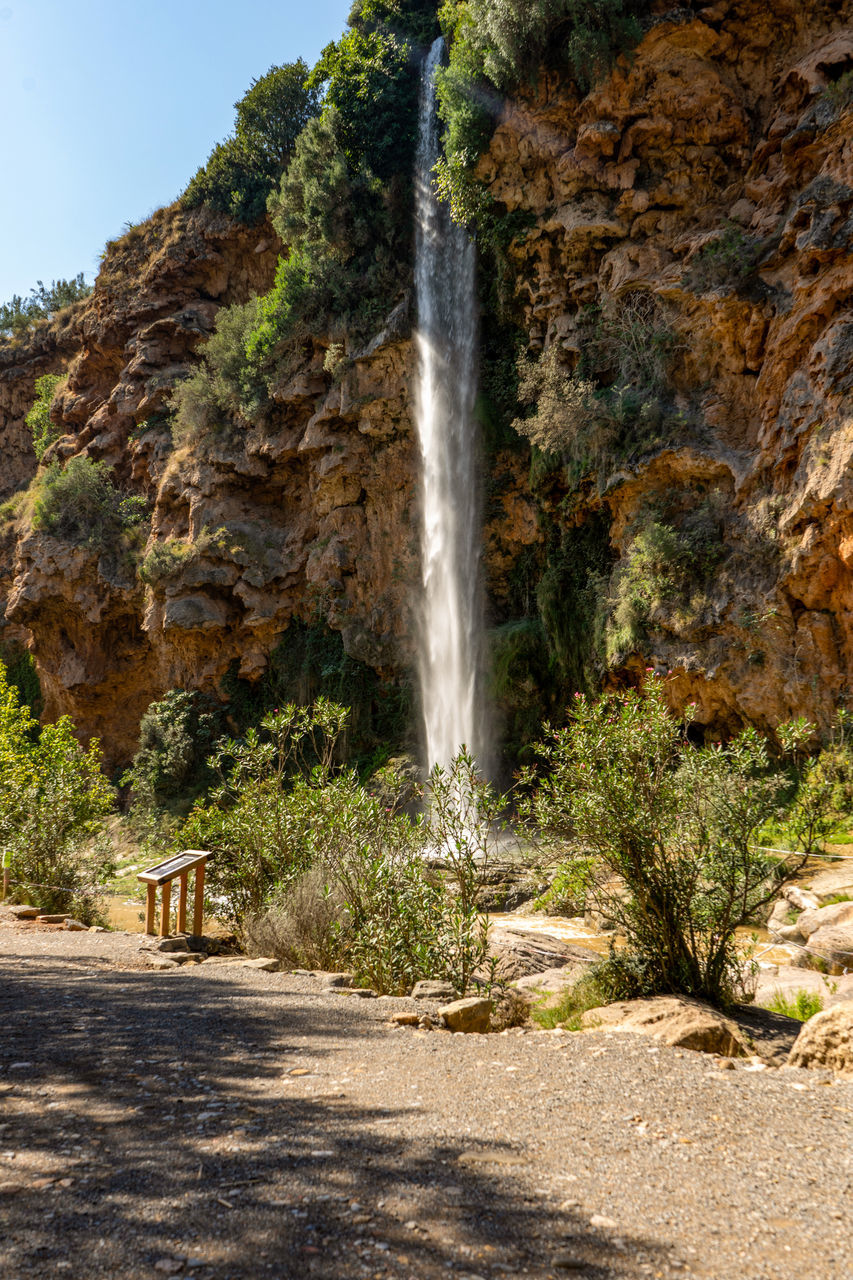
242	170
53	799
673	832
20	314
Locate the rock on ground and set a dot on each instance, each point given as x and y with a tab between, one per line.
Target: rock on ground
470	1015
521	954
676	1020
826	1040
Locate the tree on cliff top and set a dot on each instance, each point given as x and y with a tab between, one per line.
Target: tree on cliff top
242	170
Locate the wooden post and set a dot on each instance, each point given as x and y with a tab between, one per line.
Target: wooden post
182	904
198	909
164	917
151	909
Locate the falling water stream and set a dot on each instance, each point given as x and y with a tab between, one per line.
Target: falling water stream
451	622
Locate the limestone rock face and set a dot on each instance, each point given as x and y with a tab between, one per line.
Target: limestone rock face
826	1040
728	127
725	124
675	1020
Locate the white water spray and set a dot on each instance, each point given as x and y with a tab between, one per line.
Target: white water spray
451	621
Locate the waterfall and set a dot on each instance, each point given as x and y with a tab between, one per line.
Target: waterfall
450	640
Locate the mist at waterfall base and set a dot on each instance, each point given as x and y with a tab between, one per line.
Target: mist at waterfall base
450	618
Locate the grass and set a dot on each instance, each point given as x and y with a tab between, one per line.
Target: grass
803	1005
586	994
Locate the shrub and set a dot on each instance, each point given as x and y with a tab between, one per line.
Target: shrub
242	170
22	675
292	835
38	419
176	738
21	314
53	799
164	559
802	1005
673	830
82	504
839	94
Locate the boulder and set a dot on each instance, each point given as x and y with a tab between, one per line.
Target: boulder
834	944
405	1019
165	944
24	913
470	1015
677	1021
335	981
826	1040
430	989
74	926
787	979
267	964
839	913
779	921
518	953
546	989
800	899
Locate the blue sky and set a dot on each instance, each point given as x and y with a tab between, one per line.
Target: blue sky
111	106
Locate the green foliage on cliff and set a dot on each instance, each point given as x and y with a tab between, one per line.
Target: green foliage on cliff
496	46
82	504
20	314
241	171
38	418
310	662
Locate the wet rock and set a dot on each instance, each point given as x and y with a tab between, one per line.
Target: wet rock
826	1040
472	1014
675	1020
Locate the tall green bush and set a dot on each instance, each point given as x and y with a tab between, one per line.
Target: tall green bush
673	831
296	838
53	799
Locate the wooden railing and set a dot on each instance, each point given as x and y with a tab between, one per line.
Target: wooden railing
163	874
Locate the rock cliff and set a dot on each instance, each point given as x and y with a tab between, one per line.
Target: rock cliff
703	195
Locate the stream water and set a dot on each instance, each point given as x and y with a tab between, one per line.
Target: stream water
450	626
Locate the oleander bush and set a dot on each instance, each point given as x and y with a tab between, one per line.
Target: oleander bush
674	832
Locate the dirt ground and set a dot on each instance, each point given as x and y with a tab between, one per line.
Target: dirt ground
218	1122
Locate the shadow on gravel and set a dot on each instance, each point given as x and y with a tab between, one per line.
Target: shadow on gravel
167	1103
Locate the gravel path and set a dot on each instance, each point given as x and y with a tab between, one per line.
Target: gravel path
218	1122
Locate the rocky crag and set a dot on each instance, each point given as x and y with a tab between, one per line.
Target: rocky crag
701	201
